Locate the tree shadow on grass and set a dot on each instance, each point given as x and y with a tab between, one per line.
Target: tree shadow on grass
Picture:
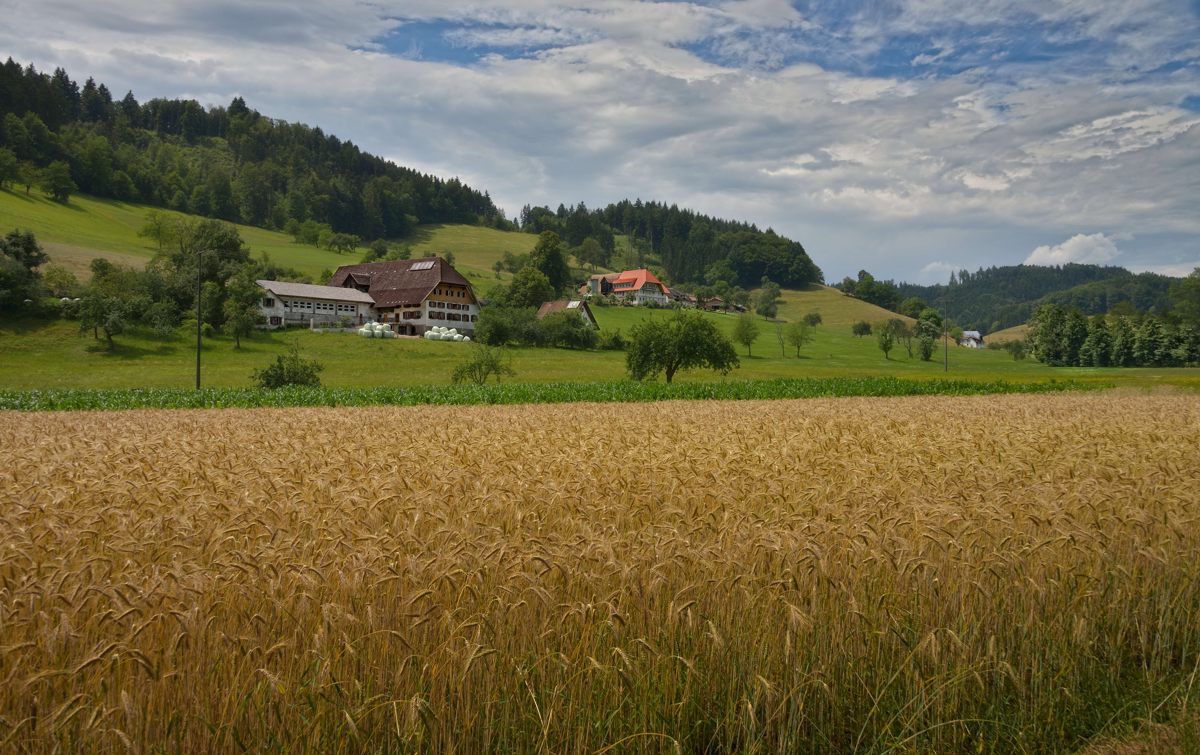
24	325
21	195
421	235
130	352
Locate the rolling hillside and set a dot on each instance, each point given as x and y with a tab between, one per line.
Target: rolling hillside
76	233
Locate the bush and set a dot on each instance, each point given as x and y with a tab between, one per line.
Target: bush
289	369
501	325
611	340
567	330
484	362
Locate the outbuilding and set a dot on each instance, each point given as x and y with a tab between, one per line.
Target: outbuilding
286	303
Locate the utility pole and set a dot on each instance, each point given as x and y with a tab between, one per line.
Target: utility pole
945	349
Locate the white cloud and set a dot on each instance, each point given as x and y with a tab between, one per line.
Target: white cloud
744	108
936	272
1093	249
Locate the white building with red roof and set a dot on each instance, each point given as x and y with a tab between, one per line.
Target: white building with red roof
640	287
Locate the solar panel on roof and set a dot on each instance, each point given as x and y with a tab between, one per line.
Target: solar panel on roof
424	265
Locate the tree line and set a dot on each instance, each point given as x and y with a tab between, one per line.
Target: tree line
999	297
228	163
694	249
1065	336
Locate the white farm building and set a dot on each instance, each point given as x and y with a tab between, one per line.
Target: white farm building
411	297
305	304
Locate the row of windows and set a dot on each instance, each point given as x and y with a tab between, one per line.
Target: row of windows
314	306
448	305
450	292
454	316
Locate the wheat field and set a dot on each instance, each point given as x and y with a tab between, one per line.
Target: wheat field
983	574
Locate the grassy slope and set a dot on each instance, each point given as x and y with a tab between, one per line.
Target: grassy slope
34	355
55	355
1015	333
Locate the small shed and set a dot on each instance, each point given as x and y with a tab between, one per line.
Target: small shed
565	305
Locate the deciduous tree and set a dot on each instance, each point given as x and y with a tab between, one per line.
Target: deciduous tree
682	341
745	331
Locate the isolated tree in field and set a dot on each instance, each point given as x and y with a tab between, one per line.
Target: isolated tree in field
482	363
100	311
797	334
745	331
929	330
160	227
813	319
682	341
861	328
766	301
342	243
57	182
548	257
886	339
28	175
903	333
241	310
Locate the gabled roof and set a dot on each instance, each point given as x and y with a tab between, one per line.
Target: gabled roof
400	283
972	334
633	280
564	305
309	291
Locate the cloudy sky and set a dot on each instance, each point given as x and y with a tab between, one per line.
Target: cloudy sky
908	138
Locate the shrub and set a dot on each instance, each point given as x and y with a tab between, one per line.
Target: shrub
484	362
289	369
611	340
567	330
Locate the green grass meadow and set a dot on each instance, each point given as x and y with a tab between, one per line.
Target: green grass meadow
54	354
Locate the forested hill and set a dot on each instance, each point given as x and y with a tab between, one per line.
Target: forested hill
230	162
693	248
233	163
1000	297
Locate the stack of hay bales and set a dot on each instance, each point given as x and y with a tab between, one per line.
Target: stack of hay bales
438	333
376	330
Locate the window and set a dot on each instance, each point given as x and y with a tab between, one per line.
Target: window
412	314
453	316
268	302
437	315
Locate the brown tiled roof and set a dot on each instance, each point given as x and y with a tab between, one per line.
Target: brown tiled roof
398	284
566	305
